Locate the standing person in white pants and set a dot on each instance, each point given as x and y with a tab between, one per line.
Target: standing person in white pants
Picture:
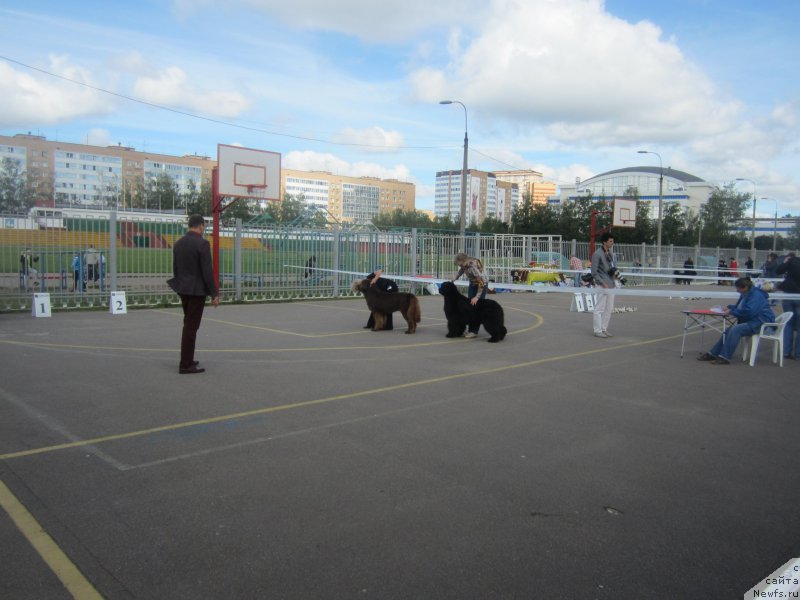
603	266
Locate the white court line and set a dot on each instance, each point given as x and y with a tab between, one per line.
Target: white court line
55	426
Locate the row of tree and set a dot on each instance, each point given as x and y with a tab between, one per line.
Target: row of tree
716	224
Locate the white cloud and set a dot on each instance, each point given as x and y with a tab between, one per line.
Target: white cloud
98	137
317	161
581	73
171	87
30	97
370	20
374	139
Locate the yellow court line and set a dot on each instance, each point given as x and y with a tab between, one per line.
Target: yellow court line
327	400
53	556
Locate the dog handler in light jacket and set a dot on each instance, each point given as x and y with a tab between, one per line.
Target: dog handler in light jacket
603	263
478	284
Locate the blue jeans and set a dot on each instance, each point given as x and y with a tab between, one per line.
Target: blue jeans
732	336
791	331
472	291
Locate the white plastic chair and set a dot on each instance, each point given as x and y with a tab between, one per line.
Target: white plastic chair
776	336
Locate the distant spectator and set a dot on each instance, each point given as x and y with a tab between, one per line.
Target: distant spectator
688	269
748	265
734	268
27	269
790	269
92	259
576	265
770	266
77	278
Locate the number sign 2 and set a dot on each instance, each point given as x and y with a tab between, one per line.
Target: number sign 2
118	305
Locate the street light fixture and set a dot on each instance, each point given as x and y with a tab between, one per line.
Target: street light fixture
753	230
775	224
462	212
660	202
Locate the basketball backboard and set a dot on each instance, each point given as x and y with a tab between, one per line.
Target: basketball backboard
248	173
624	213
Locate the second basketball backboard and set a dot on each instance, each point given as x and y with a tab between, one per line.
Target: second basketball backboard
624	213
248	173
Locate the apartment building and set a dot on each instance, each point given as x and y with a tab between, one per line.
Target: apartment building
349	199
486	196
530	182
84	176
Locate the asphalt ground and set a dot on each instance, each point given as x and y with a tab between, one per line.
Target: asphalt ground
316	459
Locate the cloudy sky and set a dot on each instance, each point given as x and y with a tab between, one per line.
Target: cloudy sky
571	88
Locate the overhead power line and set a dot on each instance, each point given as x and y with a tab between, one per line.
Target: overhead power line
238	125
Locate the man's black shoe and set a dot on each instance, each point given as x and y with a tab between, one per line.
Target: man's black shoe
191	370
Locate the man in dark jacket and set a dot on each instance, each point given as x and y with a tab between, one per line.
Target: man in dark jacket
751	310
790	268
193	280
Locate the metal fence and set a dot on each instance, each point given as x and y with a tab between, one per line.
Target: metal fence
82	260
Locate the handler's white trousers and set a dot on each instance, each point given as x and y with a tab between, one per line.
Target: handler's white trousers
603	308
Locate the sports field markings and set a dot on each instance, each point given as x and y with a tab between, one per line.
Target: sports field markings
326	400
539	320
55	558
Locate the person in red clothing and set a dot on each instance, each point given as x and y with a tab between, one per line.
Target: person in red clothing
734	267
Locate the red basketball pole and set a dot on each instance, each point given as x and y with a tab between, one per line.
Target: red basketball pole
592	228
215	212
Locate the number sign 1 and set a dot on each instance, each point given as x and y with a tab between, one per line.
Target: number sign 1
41	305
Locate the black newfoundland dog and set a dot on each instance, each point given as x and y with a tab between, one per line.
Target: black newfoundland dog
460	313
382	304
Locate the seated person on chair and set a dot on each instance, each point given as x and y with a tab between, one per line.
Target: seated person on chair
751	310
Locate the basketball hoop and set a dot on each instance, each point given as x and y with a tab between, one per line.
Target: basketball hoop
257	191
624	213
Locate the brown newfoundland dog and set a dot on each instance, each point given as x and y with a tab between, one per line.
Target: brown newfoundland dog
382	304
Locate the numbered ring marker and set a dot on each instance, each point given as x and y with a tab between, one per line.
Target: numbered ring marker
118	304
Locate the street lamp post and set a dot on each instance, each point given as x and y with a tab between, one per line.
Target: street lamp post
660	203
463	210
774	225
753	230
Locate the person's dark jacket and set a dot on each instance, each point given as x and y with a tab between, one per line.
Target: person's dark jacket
191	267
791	268
769	269
383	284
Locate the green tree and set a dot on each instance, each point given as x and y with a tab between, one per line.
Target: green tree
191	197
793	239
407	219
493	225
569	225
724	209
161	193
15	196
522	216
673	224
445	223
